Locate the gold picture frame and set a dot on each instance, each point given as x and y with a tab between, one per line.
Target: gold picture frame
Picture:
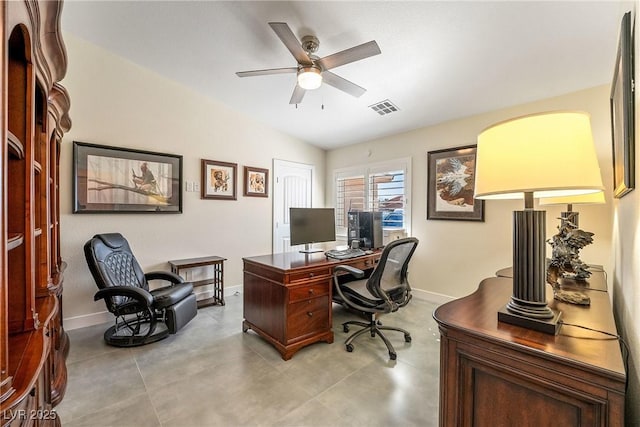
622	113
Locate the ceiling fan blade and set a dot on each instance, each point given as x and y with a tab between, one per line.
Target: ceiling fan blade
343	84
291	42
347	56
298	94
266	72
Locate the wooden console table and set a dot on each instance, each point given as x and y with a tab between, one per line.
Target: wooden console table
216	279
287	297
493	373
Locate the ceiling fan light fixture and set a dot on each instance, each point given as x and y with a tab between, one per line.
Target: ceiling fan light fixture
309	78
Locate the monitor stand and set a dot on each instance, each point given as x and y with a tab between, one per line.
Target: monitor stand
308	249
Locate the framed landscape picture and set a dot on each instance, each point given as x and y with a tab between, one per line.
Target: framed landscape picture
121	180
256	182
219	180
451	185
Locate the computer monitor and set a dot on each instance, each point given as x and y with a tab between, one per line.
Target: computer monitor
312	225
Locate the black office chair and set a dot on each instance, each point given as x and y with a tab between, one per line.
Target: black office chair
385	291
143	316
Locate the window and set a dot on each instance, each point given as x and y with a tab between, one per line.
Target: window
381	187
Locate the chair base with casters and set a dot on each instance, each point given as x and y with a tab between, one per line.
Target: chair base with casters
374	327
385	291
142	315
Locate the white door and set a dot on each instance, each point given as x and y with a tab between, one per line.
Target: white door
291	189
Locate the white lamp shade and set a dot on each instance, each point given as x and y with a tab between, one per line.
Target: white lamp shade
548	154
309	78
583	199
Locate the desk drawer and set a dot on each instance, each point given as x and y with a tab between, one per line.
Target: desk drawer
309	275
304	292
364	263
308	317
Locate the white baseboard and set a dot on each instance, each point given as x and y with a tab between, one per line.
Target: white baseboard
86	320
431	296
230	290
91	319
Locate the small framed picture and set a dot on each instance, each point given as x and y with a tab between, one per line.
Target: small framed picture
451	185
256	182
219	180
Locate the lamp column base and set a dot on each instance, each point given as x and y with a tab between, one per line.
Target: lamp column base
528	306
547	326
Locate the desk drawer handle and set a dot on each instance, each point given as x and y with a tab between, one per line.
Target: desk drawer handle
311	274
310	313
311	292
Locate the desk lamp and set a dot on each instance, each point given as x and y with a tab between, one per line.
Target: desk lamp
540	155
565	259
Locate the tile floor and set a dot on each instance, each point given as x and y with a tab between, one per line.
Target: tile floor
213	374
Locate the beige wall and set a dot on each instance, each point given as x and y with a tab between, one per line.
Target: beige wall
115	102
626	269
454	255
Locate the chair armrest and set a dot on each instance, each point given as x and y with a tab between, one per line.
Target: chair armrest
125	291
356	272
164	275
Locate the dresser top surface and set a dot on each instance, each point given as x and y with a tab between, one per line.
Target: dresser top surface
476	314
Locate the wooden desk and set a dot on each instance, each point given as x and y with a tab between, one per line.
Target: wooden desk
493	373
287	297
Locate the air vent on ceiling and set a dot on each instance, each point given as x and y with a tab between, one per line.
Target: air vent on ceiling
384	107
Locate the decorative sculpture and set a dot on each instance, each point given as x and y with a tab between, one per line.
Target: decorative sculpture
565	259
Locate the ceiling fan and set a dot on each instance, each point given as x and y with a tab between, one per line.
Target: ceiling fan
311	70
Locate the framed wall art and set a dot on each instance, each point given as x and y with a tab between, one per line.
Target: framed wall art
121	180
622	113
256	182
451	185
219	180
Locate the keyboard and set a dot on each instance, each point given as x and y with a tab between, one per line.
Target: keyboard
344	254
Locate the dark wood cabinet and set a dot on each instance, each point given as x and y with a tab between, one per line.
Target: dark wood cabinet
34	116
496	374
287	297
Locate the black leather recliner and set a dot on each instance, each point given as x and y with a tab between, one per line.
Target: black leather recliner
142	315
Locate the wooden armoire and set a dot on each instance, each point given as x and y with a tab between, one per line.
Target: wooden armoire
34	115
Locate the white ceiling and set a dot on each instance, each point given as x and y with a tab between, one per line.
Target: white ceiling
440	60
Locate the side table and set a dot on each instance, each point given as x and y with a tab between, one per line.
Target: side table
216	279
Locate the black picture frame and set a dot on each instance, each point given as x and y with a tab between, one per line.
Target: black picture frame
622	113
219	180
453	199
109	179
